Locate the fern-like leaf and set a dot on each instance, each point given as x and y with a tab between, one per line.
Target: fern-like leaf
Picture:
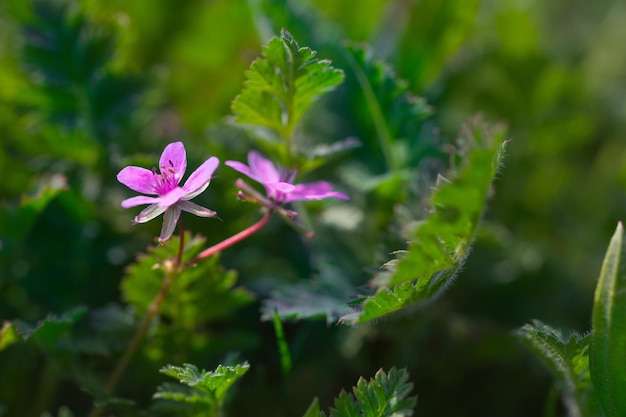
385	395
200	392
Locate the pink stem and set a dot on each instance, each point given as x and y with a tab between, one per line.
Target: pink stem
231	240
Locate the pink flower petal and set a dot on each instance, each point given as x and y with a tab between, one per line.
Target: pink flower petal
169	223
171	197
174	158
314	191
138	179
138	201
149	213
196	209
262	168
243	168
200	178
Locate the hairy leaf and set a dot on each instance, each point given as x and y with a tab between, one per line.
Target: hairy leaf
608	340
440	243
282	84
568	360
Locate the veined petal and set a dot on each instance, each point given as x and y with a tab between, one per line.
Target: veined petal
263	168
169	223
171	197
138	179
201	177
138	201
174	158
314	191
196	209
149	213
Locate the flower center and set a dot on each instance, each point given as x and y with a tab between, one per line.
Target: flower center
166	180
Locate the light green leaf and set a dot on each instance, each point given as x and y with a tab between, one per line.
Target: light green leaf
202	392
198	294
440	244
385	395
568	360
282	84
608	339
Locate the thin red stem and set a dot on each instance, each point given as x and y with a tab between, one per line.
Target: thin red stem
231	240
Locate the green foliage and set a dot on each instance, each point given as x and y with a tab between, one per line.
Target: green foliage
201	393
568	360
283	347
440	243
396	112
385	395
45	334
282	84
18	221
608	338
198	294
323	296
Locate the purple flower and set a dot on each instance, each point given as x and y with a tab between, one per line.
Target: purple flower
170	198
279	185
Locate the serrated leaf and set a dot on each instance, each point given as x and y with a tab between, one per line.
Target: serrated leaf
440	243
568	360
608	340
197	294
201	393
282	84
48	331
385	395
396	112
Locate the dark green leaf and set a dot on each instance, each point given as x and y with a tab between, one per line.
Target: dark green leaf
48	331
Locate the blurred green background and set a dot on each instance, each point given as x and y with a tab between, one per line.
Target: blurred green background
87	87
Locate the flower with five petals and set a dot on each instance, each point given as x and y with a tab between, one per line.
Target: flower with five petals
164	193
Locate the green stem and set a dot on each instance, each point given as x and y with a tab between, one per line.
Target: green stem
123	362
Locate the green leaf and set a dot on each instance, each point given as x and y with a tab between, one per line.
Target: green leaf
440	244
282	84
201	392
323	296
568	360
45	334
314	409
395	111
608	339
385	395
198	294
18	221
283	347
